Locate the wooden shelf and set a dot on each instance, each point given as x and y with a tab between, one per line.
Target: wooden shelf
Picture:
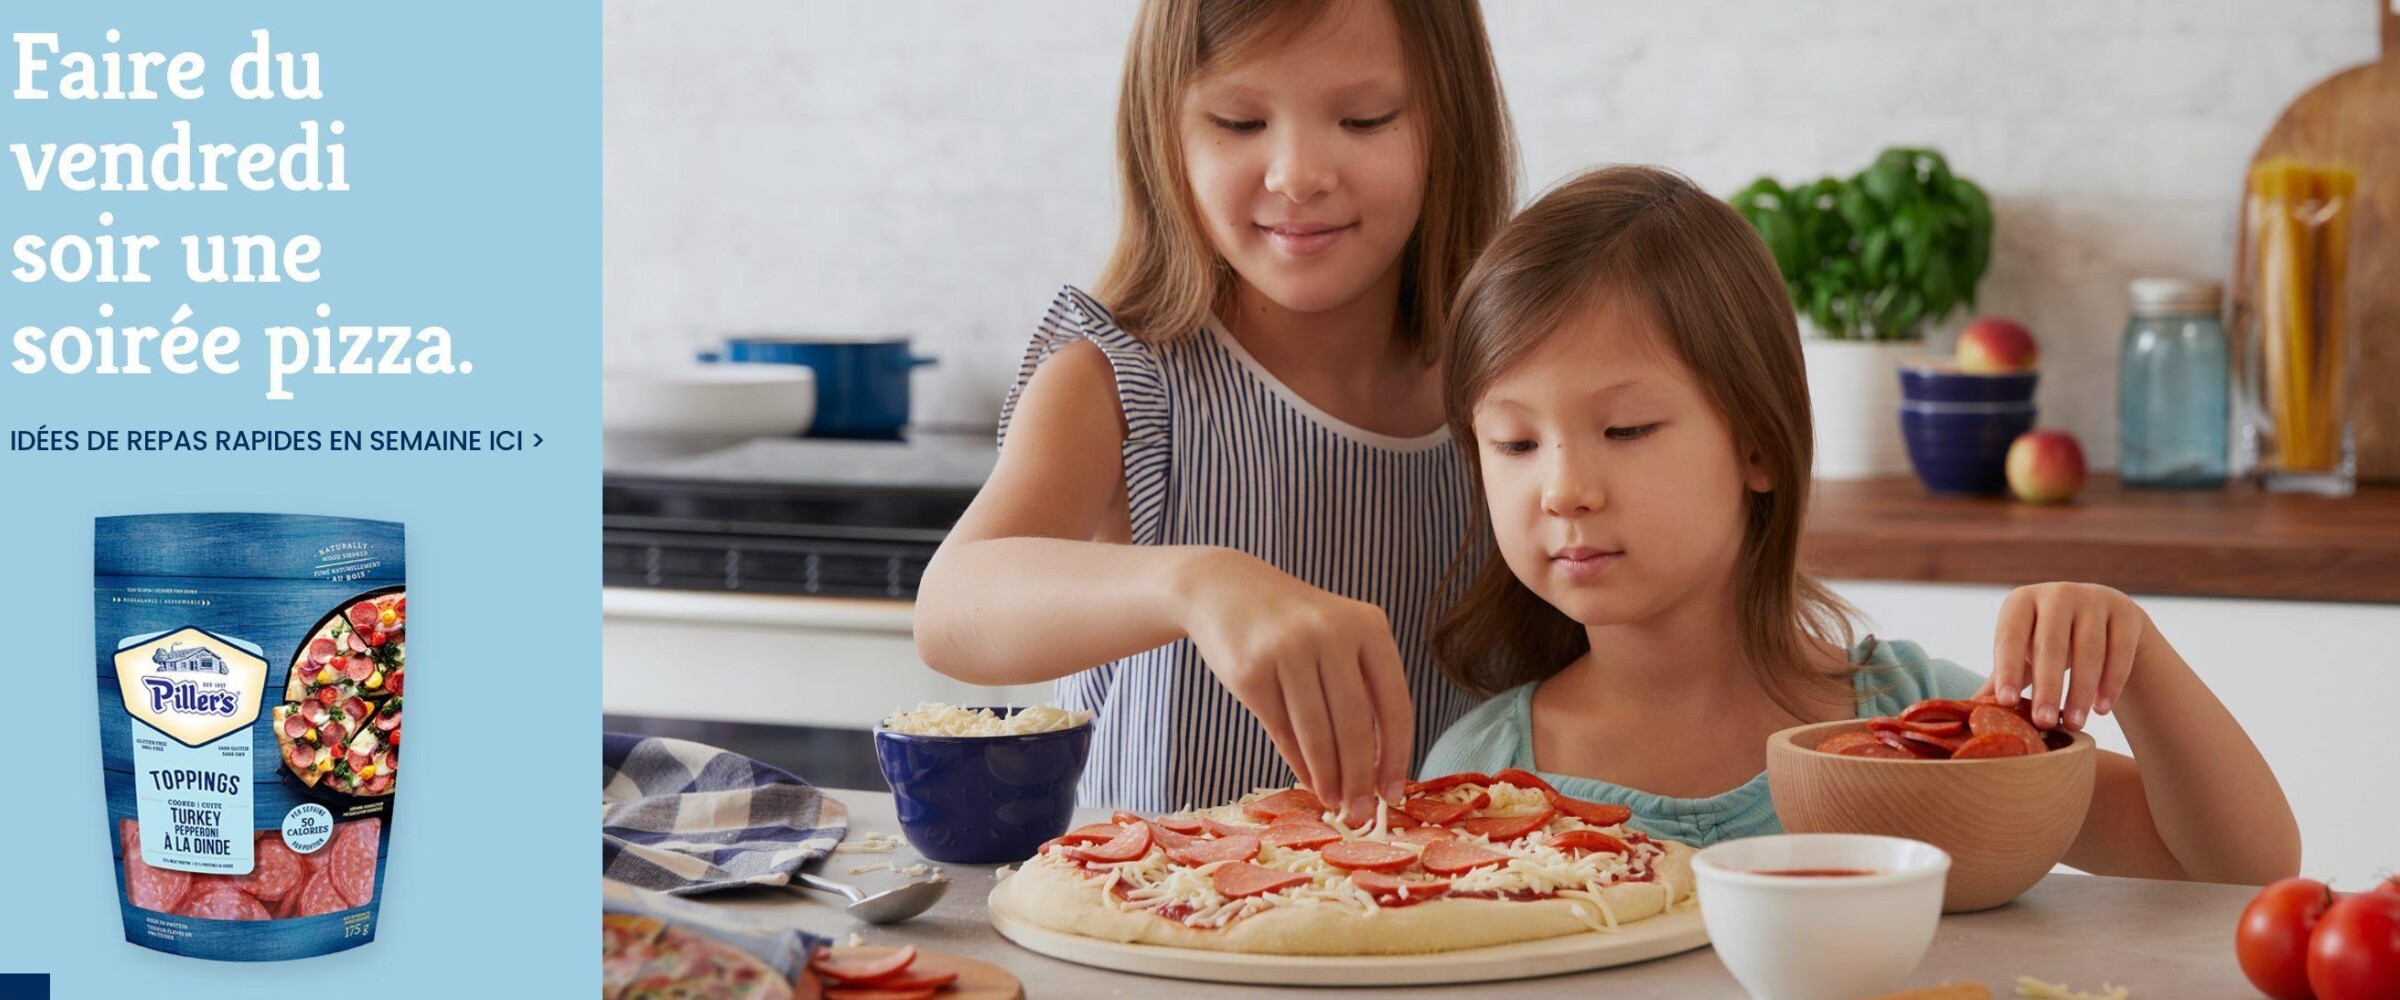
2235	542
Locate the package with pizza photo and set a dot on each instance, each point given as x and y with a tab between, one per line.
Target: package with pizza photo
250	669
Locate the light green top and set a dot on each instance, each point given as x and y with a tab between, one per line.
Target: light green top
1499	734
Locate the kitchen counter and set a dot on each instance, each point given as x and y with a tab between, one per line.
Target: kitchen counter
2160	939
2235	542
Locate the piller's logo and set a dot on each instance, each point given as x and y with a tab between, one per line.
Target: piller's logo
191	684
189	698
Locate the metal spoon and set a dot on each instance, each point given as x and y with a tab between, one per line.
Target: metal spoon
887	907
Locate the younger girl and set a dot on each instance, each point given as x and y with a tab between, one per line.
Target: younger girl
1627	368
1226	492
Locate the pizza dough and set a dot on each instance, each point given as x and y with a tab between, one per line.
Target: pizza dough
1561	891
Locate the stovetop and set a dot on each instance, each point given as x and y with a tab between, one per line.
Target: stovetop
789	515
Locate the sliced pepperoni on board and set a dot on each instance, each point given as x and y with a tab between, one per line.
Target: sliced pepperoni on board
1589	840
1595	813
1437	812
857	971
1356	855
1131	842
1507	827
1195	852
1285	803
1241	880
222	902
1301	833
1424	836
1388	889
154	889
1992	745
1431	785
319	897
1457	857
275	872
1180	824
352	862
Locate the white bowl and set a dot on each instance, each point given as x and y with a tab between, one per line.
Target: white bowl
1789	937
713	404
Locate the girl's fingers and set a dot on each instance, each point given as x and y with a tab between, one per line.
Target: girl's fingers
2053	632
1395	717
1267	705
1354	736
2124	638
2090	644
1304	700
2011	643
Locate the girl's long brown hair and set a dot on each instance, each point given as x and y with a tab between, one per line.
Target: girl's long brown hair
1647	238
1164	278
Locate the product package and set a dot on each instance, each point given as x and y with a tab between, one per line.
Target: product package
250	670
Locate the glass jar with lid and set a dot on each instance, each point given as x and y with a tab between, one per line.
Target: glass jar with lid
2173	387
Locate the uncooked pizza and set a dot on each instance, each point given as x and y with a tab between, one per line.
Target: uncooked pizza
1467	861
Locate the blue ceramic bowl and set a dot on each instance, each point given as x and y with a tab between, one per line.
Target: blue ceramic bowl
983	800
1942	382
1963	447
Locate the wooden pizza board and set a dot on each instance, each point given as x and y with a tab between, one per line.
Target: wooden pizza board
2353	118
1669	933
977	979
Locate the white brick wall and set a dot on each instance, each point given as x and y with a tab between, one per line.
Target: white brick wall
941	167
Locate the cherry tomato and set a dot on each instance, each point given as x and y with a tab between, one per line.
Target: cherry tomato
2355	954
2272	938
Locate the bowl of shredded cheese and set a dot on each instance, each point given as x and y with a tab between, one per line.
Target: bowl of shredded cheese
983	785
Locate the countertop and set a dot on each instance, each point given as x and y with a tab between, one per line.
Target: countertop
2232	542
2160	939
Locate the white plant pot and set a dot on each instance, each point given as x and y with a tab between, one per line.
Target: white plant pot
1854	396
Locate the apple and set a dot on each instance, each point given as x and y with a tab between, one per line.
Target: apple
2045	466
1994	345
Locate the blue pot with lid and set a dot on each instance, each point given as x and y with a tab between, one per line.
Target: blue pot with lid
862	380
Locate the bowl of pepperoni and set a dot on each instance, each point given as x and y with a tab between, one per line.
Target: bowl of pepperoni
2002	796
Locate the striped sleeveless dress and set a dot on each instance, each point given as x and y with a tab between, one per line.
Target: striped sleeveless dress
1219	452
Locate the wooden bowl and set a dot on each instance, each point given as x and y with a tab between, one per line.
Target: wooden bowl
2005	821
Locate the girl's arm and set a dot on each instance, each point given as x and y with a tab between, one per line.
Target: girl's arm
2200	803
1035	582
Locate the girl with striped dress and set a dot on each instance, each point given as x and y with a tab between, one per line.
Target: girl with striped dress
1226	499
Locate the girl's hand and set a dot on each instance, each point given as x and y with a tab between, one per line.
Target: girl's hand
1320	671
2072	640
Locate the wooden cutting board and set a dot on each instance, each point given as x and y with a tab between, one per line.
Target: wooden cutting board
2353	117
977	979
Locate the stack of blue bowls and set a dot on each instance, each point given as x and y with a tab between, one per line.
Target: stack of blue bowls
1958	425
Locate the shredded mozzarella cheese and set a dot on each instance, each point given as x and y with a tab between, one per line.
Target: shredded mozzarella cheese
874	842
938	719
2035	989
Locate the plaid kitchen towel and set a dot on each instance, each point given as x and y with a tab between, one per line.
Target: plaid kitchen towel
686	818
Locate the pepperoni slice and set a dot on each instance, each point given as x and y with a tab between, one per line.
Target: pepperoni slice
1432	785
295	725
320	650
364	614
1499	828
1424	836
358	668
1355	855
1875	748
863	971
1285	803
1526	779
318	897
1096	833
1180	824
1228	829
315	710
1122	818
154	889
1913	748
1388	889
382	783
1838	742
1130	842
1436	812
355	709
1948	744
912	983
302	756
333	734
360	760
275	872
222	902
1989	719
389	720
1194	852
356	642
1992	745
352	864
391	682
1595	813
1589	840
1241	880
1938	710
1457	857
1300	833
